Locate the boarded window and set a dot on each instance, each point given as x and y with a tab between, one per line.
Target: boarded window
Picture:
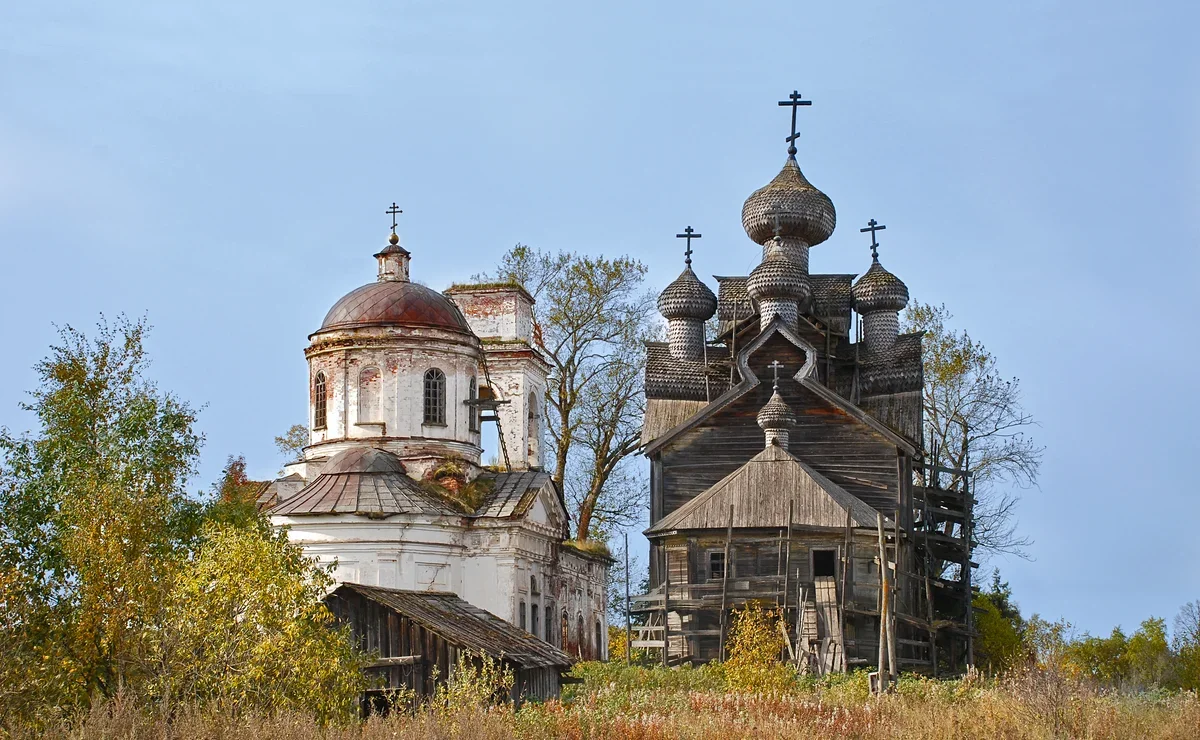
472	408
319	401
716	566
435	396
824	563
368	394
677	565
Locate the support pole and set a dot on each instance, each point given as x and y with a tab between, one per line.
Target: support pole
847	565
884	598
628	626
666	603
787	559
725	583
893	666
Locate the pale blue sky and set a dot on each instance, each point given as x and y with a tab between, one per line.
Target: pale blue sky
222	167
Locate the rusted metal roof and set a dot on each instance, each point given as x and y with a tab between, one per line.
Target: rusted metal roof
464	625
395	303
368	481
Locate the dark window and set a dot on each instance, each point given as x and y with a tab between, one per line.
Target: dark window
521	614
824	563
319	401
533	585
599	642
550	625
472	409
564	630
533	620
716	566
435	396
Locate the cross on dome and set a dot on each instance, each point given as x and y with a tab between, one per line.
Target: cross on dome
873	226
688	234
775	368
794	101
393	212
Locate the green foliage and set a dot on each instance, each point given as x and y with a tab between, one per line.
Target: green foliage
245	627
94	519
1139	662
1000	627
753	649
112	582
477	681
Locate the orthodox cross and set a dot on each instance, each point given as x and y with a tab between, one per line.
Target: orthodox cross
775	212
794	101
775	367
688	234
393	212
873	226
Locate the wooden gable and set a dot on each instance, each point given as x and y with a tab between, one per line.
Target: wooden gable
772	490
840	442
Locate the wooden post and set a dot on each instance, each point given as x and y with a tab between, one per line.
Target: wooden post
847	564
933	657
725	582
883	606
801	648
628	627
787	559
968	525
893	666
666	603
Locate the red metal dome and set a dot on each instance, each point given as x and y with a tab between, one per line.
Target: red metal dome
395	303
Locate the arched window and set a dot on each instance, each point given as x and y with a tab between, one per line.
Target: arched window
319	401
582	635
368	395
435	396
550	624
599	654
564	630
521	614
533	620
472	409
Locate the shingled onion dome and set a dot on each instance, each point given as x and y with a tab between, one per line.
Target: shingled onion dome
779	285
776	419
686	304
879	297
806	215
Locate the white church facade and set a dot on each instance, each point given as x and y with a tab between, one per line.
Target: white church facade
392	486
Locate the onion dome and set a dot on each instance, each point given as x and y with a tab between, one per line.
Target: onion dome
687	298
879	290
777	276
776	415
804	212
393	303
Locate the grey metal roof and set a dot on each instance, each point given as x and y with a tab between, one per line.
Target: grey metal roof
464	625
514	493
369	481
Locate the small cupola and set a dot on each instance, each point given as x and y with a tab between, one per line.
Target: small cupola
776	418
879	297
779	285
686	304
393	261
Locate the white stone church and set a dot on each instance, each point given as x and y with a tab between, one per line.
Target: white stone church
392	486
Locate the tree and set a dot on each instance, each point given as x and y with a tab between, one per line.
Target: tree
1186	643
94	518
593	315
292	443
974	419
1000	626
245	627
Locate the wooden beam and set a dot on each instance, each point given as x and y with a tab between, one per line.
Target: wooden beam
398	660
725	582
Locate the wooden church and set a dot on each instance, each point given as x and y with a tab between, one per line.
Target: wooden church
787	464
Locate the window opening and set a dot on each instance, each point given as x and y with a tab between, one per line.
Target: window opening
319	401
472	408
716	566
368	394
521	614
435	396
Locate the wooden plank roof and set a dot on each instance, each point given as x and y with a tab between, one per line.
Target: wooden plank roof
464	625
760	492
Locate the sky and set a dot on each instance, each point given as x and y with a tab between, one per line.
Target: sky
222	168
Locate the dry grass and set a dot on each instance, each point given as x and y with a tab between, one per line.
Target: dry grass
615	702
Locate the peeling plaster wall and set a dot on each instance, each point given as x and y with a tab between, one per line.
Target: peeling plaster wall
392	417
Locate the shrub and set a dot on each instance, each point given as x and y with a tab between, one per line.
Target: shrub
753	649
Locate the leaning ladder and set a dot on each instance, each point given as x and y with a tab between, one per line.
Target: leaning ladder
496	414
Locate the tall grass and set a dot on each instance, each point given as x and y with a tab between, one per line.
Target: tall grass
619	702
